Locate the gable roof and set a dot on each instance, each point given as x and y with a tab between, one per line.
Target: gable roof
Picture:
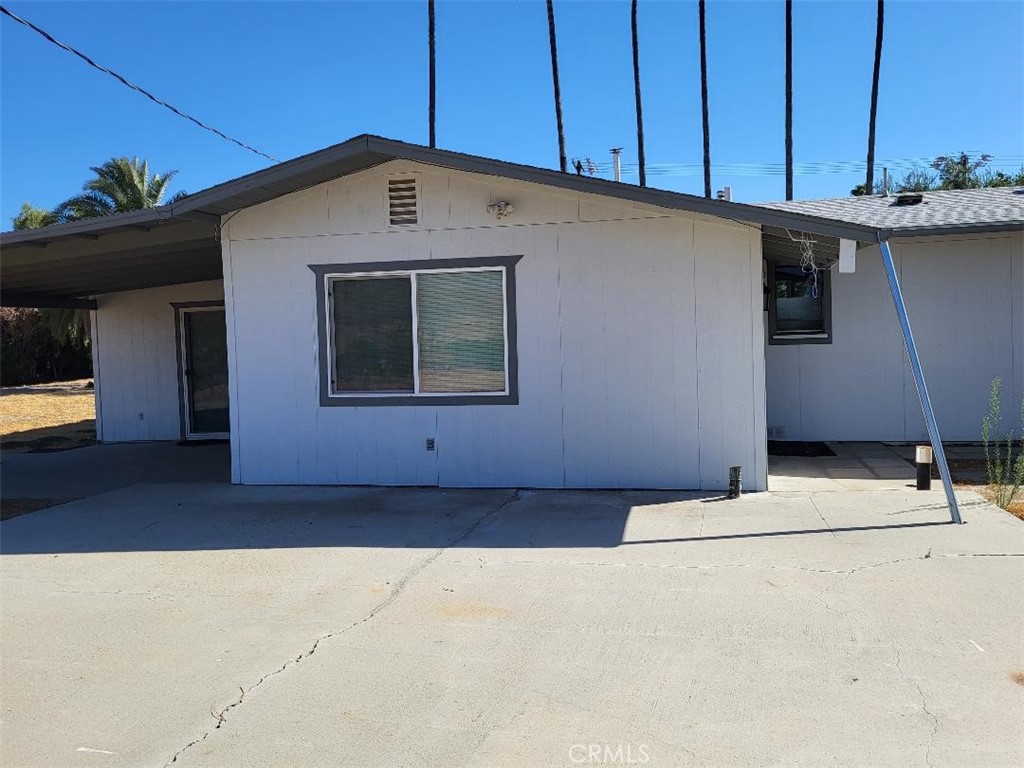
367	151
179	242
944	212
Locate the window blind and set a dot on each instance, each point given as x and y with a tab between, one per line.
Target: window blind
373	334
461	331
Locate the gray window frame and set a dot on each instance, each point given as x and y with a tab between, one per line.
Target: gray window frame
324	273
776	338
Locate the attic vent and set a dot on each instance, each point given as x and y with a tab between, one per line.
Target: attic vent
910	198
402	205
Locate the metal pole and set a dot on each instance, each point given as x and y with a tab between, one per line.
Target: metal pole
432	87
922	388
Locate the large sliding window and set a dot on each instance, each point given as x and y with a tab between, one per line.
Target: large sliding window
436	333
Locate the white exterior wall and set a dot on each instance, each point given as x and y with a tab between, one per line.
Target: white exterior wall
965	300
640	341
135	361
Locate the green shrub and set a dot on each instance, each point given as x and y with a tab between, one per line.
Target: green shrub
30	353
1004	464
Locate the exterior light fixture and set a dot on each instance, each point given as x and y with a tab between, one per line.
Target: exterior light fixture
501	209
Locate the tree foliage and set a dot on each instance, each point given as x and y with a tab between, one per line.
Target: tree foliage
31	353
957	171
31	217
120	184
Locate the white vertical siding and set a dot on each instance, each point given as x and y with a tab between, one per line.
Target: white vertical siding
965	298
628	362
136	358
729	334
608	349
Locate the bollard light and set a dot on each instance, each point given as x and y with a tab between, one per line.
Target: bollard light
923	459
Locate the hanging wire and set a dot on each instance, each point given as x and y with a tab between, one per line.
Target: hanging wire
133	86
808	262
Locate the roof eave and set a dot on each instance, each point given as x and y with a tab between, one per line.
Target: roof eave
958	229
317	167
147	218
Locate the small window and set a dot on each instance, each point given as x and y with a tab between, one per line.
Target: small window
419	335
799	305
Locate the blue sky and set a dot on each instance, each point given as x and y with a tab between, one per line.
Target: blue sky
290	78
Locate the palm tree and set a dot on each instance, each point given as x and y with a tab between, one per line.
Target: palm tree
789	99
869	180
121	184
639	105
558	90
30	217
704	101
433	75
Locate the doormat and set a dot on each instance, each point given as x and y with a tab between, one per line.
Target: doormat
798	448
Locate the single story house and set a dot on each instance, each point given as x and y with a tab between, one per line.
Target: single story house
385	313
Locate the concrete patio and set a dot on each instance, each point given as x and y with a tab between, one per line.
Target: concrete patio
210	625
865	466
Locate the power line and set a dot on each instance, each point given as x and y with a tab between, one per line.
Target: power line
803	169
130	84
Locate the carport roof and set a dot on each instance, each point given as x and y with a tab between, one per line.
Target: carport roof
178	242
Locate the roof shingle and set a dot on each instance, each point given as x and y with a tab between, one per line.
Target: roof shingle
959	210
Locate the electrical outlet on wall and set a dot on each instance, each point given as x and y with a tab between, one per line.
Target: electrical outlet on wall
142	416
430	444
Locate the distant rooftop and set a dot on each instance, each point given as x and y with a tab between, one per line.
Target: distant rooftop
943	212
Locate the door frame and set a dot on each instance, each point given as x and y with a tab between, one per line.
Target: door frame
181	309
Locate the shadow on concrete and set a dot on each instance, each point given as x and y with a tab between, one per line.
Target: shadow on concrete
94	469
799	532
174	518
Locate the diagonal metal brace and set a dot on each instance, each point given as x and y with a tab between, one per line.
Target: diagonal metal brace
922	388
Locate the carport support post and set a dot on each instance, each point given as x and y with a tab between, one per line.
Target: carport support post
922	388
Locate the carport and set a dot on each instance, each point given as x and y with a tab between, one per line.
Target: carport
178	244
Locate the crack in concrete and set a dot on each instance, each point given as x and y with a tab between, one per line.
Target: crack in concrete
220	716
924	704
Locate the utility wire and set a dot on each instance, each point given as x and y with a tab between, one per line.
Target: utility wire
130	84
802	169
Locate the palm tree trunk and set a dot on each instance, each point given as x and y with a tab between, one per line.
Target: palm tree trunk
433	79
869	179
558	90
639	104
789	99
704	102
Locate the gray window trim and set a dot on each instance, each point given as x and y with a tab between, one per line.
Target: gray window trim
182	405
321	273
774	337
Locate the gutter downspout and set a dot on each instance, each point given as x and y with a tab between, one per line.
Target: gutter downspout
922	388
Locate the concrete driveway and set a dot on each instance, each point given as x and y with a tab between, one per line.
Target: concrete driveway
210	625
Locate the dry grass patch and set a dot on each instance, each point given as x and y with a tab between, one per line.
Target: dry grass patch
47	416
1016	507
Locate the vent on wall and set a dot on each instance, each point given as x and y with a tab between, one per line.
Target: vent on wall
402	203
